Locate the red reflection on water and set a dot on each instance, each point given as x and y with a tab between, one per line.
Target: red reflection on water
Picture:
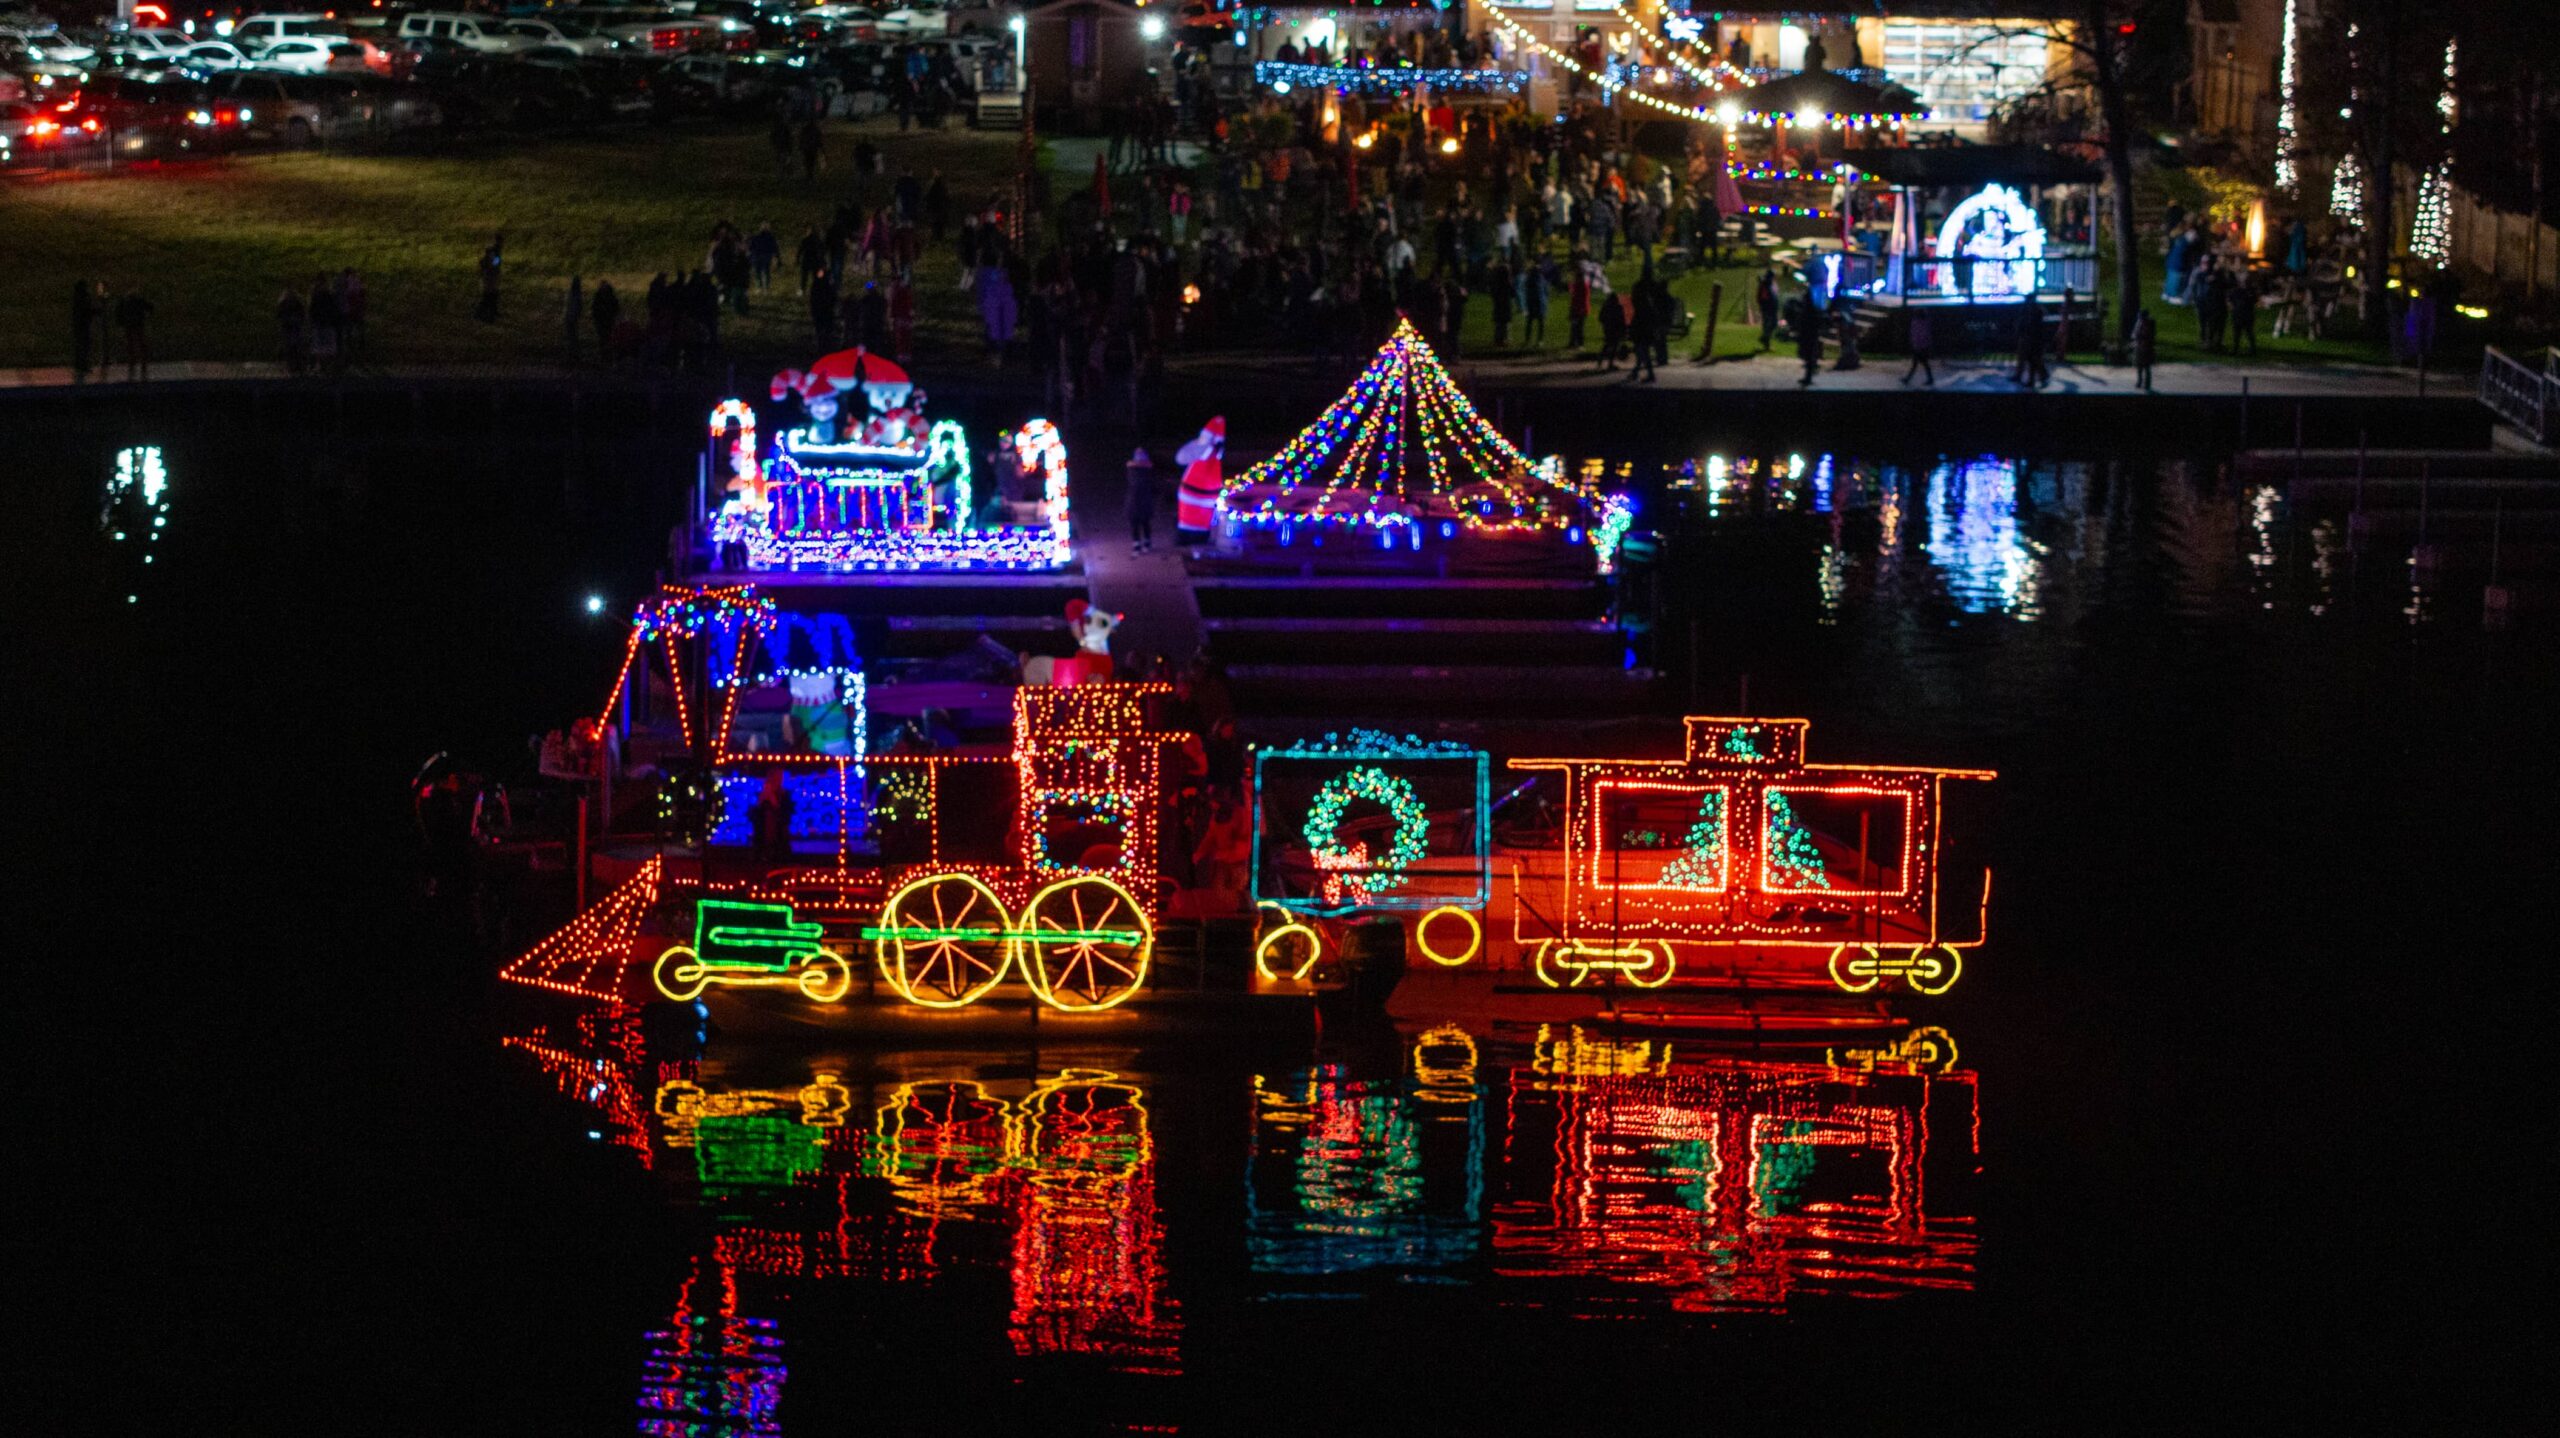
1736	1184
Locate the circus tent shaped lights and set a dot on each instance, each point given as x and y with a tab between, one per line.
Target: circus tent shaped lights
1400	451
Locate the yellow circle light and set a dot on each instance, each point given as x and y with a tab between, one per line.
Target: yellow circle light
1475	937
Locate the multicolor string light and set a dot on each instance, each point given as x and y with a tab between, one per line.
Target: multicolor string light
1380	470
1281	77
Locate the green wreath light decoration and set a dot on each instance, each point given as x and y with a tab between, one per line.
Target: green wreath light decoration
1348	869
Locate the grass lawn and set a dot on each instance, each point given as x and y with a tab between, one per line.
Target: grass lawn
214	243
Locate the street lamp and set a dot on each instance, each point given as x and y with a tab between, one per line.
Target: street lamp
1018	28
1151	28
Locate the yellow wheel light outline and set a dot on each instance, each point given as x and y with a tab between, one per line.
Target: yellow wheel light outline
1262	953
700	975
1475	936
1026	943
892	962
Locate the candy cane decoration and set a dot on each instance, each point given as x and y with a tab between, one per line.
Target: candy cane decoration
745	479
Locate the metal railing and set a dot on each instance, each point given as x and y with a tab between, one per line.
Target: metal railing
2524	397
1964	276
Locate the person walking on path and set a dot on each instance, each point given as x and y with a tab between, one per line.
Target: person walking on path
2146	345
1141	500
605	311
133	316
1808	339
1923	348
573	318
1613	329
492	262
2030	368
84	328
1765	294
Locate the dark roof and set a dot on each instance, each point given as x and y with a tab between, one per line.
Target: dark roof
1971	166
1828	93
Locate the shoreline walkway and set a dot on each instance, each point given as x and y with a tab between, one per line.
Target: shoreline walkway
1771	372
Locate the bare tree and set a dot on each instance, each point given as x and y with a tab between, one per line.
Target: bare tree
2121	56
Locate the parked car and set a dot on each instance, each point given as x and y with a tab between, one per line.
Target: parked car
297	109
915	20
402	105
151	40
313	55
138	116
667	34
210	55
575	36
484	33
29	128
257	30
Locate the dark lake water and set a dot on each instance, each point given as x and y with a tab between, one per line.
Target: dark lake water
2245	1126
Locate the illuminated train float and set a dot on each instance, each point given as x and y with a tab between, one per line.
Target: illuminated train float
1735	864
1046	868
870	483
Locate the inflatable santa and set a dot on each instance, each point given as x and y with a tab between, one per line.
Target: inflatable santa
1196	506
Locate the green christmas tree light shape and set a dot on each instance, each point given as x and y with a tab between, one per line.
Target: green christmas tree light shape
1793	856
1738	745
1701	866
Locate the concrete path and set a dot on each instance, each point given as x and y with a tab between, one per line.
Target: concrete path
1152	589
1776	371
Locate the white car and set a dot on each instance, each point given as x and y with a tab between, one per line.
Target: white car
483	33
313	55
257	30
151	42
567	35
916	20
212	55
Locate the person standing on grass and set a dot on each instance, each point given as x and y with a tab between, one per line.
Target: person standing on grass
937	206
813	148
326	355
84	328
291	319
781	140
902	316
1923	347
492	263
764	251
2146	345
2244	315
350	313
133	316
1765	294
822	308
605	311
573	318
1533	308
812	256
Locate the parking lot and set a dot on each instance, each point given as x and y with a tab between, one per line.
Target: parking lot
423	80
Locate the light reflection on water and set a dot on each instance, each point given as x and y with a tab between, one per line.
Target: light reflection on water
2040	539
1563	1170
